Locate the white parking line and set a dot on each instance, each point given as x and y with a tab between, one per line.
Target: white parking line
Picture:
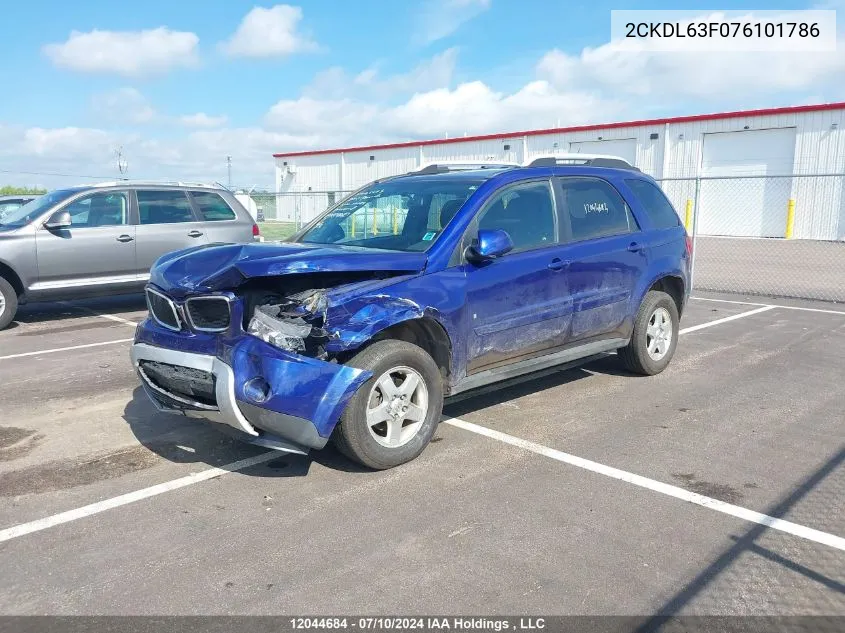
795	529
733	317
773	305
110	317
66	349
131	497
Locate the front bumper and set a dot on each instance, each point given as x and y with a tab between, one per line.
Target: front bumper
298	410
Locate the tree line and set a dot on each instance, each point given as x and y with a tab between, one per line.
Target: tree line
9	190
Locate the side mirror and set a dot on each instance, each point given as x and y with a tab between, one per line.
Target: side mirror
491	243
59	220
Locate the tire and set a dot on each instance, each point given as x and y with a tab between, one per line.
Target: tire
8	303
397	439
636	355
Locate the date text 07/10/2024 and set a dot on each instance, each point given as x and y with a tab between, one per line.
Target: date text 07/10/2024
419	623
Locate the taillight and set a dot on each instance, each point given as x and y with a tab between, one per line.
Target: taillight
689	245
256	232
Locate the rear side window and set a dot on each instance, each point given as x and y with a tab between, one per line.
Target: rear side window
212	206
595	209
164	207
654	202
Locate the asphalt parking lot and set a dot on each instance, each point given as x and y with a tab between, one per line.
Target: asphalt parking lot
717	487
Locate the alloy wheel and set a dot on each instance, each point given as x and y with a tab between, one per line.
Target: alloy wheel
397	406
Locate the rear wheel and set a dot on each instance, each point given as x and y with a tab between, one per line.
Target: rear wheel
392	417
655	335
8	303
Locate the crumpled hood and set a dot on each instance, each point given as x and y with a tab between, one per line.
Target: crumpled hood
225	266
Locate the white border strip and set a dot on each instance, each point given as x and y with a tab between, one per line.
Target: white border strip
733	317
131	497
773	305
66	349
110	317
801	531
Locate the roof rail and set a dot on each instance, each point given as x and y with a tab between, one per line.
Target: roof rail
172	183
587	160
446	167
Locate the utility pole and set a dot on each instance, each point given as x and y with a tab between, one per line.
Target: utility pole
229	169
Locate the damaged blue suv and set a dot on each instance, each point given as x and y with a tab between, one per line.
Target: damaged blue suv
412	289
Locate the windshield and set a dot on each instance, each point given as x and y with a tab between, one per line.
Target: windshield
31	210
402	215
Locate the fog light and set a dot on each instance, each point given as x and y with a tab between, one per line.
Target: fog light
257	389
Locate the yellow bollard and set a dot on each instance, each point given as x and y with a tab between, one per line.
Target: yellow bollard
688	219
353	225
395	222
790	218
375	221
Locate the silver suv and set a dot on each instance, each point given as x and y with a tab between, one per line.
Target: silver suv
103	239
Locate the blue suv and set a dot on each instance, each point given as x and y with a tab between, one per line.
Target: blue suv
412	289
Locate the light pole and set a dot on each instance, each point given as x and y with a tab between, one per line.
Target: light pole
229	169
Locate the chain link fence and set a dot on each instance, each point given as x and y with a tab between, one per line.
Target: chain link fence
781	236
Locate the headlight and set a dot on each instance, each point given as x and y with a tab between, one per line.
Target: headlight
287	334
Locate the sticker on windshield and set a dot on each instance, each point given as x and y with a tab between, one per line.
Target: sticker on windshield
429	236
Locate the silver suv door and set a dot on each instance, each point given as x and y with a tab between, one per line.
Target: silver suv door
166	222
97	250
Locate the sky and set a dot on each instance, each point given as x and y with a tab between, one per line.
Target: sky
179	86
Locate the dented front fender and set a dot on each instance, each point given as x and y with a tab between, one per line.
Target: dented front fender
298	386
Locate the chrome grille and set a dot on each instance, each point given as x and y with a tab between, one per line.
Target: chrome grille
163	310
208	314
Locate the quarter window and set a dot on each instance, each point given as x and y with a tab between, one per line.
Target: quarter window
213	208
526	213
99	209
595	209
654	202
164	207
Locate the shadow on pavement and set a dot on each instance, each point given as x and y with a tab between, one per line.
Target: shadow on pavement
748	544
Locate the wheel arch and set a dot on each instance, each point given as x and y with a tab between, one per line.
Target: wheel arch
9	274
425	332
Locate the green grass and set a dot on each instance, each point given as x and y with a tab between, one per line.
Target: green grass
276	230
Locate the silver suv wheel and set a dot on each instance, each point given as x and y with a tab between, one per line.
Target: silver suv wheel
659	333
397	406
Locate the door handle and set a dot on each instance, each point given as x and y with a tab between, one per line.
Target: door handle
124	238
634	247
558	264
195	233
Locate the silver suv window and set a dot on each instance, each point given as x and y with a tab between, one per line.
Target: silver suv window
164	207
212	206
99	209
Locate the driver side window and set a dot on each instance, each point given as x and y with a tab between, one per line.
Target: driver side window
526	212
99	209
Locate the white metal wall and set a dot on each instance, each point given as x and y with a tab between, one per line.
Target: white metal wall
669	151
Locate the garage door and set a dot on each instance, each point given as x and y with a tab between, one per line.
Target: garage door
623	148
747	207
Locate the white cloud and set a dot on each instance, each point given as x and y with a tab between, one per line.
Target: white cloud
624	67
201	119
441	18
130	53
336	83
125	105
269	33
471	108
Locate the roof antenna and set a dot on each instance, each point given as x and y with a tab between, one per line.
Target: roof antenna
122	163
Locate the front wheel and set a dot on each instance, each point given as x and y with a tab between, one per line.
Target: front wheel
393	416
655	335
8	303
